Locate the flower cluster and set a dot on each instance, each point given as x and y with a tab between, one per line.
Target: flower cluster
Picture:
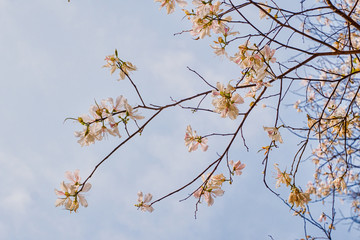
298	198
222	42
103	121
336	177
256	62
225	101
69	196
192	140
143	202
170	4
207	18
114	62
211	188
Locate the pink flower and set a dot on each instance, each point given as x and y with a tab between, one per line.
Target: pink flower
111	61
209	194
142	202
225	101
131	113
73	177
282	177
192	140
118	104
69	194
89	134
170	4
237	167
322	217
82	199
268	54
274	134
211	190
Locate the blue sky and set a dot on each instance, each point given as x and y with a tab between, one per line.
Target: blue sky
52	54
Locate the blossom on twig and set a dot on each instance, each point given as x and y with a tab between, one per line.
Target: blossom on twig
143	202
170	4
236	167
282	177
114	62
298	198
225	101
103	121
192	140
274	134
69	194
211	189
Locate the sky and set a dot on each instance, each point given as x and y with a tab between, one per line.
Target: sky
52	53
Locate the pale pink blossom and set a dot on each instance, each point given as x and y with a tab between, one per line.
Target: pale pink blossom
262	13
282	177
69	194
89	134
170	4
211	190
64	195
117	106
192	140
73	177
105	121
237	167
206	19
225	101
220	51
111	62
115	129
81	197
274	134
322	217
143	202
125	68
130	112
104	131
268	54
256	62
